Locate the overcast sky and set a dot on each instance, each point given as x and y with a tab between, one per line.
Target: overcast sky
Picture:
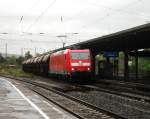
22	22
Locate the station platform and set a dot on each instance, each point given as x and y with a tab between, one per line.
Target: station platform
18	102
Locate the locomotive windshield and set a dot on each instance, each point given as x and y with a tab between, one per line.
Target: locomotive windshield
80	55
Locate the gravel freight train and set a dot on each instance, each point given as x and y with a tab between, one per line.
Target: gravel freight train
66	63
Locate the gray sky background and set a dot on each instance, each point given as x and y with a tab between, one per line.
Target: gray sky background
79	20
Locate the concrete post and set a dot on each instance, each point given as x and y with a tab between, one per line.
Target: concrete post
126	67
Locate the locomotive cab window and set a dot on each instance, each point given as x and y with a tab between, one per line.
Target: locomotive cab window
80	55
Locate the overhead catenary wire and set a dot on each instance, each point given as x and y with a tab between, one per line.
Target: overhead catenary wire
22	17
98	5
113	9
38	18
121	10
112	12
34	5
35	41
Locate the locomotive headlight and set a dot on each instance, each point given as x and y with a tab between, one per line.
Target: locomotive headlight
88	68
72	69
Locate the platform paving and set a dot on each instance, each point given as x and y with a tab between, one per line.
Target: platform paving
18	102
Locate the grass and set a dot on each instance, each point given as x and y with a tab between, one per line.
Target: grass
15	71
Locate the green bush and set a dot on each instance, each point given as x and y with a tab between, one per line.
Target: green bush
13	71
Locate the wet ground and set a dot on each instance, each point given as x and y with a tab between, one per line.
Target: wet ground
18	102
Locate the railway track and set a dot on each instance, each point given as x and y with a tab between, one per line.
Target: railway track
141	88
76	107
125	89
109	103
128	94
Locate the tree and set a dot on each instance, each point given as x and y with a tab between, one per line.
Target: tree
11	60
28	55
2	59
20	59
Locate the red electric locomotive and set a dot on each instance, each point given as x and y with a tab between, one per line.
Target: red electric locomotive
70	63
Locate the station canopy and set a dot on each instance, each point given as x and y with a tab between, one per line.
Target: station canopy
130	39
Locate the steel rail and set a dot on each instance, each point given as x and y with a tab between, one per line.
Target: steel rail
107	112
